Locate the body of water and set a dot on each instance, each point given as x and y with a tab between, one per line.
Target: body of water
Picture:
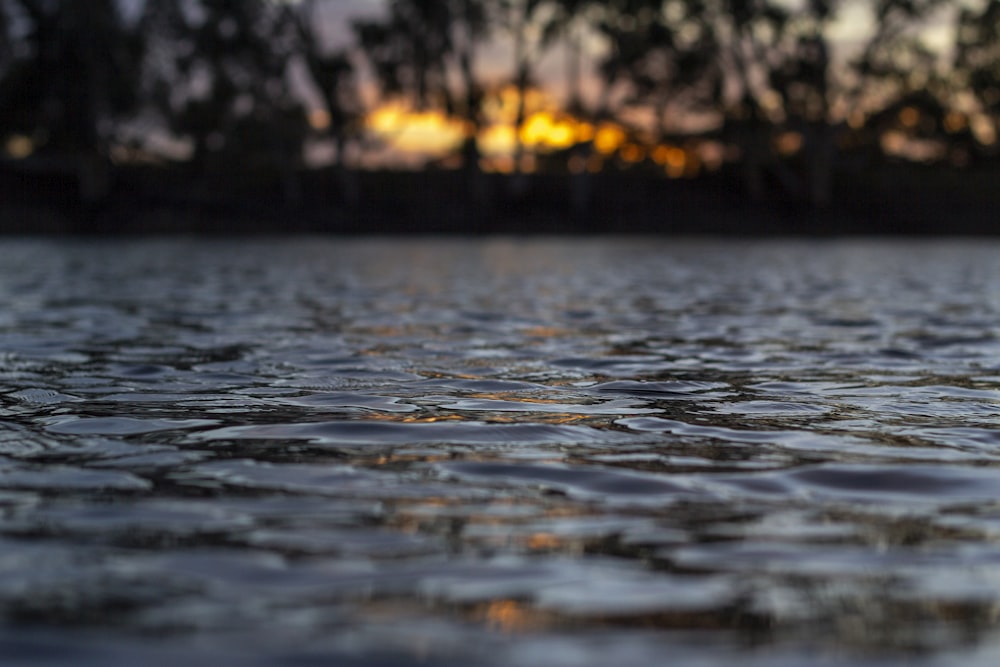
500	452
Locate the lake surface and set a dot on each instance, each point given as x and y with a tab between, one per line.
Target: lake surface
500	452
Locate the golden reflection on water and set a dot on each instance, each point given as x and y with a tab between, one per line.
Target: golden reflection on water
411	419
432	419
518	617
544	542
528	400
512	616
546	332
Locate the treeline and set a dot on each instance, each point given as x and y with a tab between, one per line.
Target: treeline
238	90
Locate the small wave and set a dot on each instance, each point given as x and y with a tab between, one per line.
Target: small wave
395	433
121	425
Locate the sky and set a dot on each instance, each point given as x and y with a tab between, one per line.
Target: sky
340	12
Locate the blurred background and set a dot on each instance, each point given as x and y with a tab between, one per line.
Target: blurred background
369	116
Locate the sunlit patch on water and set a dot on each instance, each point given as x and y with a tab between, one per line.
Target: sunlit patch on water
499	452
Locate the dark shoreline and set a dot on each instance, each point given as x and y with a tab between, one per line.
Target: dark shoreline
902	199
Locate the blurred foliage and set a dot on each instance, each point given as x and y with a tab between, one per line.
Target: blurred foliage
69	72
225	83
977	57
227	78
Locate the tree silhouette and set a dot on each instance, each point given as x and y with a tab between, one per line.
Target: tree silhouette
766	70
426	52
5	39
977	64
334	75
657	59
766	78
531	25
224	84
71	82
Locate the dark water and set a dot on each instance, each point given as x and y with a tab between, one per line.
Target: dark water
573	452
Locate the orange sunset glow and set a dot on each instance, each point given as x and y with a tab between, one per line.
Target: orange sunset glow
545	129
425	132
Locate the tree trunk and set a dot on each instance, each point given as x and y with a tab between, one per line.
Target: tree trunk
347	182
581	180
475	181
522	68
93	179
752	140
821	152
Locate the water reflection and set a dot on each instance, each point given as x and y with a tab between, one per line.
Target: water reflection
610	450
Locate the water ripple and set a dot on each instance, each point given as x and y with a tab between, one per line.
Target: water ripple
499	452
393	433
